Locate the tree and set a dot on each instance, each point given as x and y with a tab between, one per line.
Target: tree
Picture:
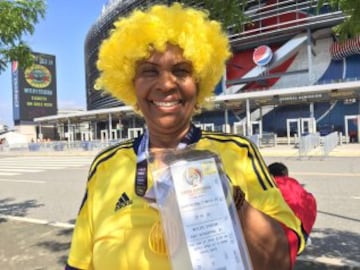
230	12
17	18
351	9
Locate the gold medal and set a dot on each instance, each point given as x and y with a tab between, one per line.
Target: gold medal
157	241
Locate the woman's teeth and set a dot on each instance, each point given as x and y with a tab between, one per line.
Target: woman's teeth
166	104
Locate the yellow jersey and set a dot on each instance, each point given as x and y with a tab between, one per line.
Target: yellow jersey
118	229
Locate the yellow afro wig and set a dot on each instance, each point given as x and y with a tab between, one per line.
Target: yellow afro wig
134	37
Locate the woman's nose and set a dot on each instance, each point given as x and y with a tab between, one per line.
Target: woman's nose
167	81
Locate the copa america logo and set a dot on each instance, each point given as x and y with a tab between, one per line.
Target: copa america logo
262	55
193	176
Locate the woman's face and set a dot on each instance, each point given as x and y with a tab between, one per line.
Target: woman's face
166	90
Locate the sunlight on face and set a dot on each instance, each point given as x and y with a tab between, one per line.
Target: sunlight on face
166	90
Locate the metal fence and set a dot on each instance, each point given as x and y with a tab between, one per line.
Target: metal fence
59	146
330	141
324	144
264	140
308	143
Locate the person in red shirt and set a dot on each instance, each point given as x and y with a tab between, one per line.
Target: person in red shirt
302	202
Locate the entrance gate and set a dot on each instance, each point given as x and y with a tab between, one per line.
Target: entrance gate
352	127
300	126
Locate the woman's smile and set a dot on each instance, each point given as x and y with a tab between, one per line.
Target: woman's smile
166	104
166	91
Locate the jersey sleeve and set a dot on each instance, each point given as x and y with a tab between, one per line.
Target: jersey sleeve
266	197
80	255
293	241
263	194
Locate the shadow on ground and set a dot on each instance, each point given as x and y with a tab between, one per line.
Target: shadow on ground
30	245
339	249
9	206
36	246
58	245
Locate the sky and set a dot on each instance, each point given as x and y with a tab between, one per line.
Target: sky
61	33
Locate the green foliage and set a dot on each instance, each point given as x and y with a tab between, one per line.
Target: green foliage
18	18
351	9
229	12
232	13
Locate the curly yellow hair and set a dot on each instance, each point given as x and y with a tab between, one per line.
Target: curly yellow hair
134	37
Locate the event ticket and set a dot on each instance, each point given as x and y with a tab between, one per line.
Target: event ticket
210	235
199	217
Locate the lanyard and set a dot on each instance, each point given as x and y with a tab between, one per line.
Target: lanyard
141	181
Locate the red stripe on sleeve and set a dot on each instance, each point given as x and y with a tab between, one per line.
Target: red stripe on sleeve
293	244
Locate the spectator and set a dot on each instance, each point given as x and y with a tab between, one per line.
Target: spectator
302	202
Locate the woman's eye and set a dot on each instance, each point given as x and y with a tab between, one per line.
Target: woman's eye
149	72
181	72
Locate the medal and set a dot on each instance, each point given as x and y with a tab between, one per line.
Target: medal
157	241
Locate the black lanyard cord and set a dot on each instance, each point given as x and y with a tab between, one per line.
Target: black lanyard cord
141	181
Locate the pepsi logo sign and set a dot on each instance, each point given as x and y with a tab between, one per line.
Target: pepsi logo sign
14	66
262	55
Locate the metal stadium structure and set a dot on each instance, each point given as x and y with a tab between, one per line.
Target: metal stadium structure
289	75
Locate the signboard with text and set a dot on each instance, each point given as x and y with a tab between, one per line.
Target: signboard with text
34	89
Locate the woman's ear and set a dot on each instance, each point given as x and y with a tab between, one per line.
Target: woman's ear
197	109
137	109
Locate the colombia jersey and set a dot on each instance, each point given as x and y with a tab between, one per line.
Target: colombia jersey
118	229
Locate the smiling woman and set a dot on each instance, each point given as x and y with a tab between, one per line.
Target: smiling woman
166	94
166	73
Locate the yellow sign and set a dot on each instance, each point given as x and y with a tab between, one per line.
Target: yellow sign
38	76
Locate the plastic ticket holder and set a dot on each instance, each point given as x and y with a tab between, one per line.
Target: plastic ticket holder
199	219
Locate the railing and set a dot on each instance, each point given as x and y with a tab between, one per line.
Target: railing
266	139
255	139
16	147
308	143
61	146
330	141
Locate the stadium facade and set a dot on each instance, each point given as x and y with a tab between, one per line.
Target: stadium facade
302	52
288	75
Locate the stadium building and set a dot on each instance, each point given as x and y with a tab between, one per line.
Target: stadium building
289	76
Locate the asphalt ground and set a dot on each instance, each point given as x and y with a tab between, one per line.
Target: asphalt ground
43	243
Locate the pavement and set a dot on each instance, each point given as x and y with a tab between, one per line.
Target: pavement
45	247
33	246
40	245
